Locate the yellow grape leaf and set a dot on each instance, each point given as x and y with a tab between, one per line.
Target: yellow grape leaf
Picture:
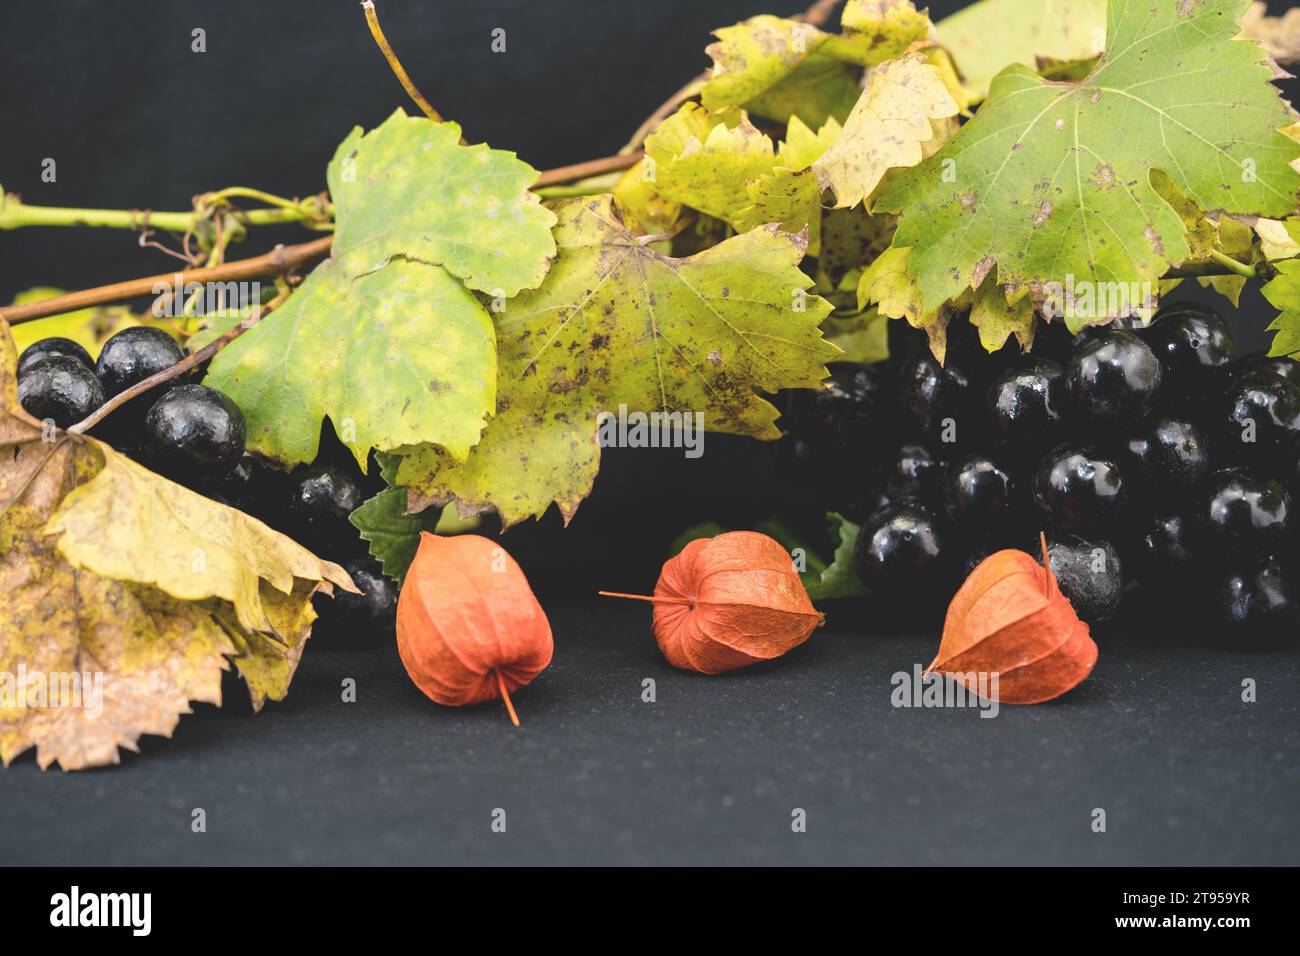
618	326
790	195
997	317
1280	36
87	664
1283	292
197	548
644	211
864	338
100	596
780	68
706	162
851	239
884	28
897	113
887	284
1276	238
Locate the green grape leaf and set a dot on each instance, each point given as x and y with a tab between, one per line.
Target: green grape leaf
408	188
839	579
617	324
398	356
1051	182
393	535
897	114
1283	293
985	37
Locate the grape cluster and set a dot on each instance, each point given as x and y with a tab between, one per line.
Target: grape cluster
195	435
1147	453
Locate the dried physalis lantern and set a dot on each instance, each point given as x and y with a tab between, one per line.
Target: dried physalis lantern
469	629
1010	619
729	601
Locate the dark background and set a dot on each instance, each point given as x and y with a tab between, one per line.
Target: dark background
1158	736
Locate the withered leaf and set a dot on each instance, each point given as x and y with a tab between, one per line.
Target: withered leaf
137	586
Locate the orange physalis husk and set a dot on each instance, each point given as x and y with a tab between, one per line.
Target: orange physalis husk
729	601
469	629
1010	618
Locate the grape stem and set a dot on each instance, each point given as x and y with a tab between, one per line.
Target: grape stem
372	20
278	261
15	214
184	365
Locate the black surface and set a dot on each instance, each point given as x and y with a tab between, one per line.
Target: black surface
710	773
1158	737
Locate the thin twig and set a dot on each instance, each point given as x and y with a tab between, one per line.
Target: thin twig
279	260
592	167
372	18
169	373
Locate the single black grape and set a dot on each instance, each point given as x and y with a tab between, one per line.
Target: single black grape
61	388
1288	368
1089	573
1194	347
1113	379
133	355
1256	607
194	433
1242	514
916	474
375	608
55	345
832	435
979	493
932	394
1168	456
321	498
1079	490
1164	550
1260	416
903	551
1026	403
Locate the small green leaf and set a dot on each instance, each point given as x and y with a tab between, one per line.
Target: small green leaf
393	534
840	578
1283	292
